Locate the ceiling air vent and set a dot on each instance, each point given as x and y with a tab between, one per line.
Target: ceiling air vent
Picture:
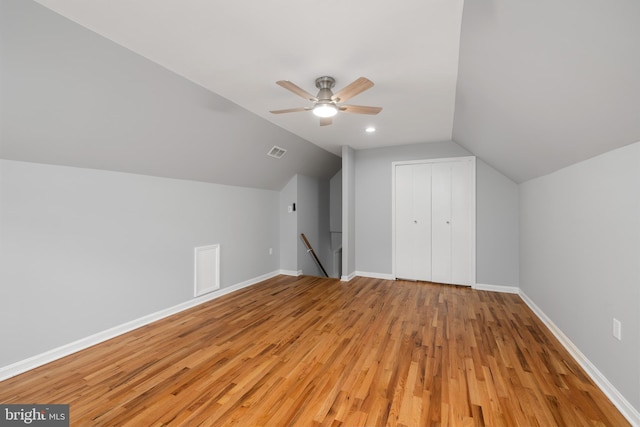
276	152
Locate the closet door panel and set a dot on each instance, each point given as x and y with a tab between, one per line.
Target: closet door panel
441	223
462	221
422	221
413	222
403	218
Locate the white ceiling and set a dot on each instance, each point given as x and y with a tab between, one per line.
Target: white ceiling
529	87
240	48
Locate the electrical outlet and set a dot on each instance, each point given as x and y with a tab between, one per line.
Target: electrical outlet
270	251
289	209
617	329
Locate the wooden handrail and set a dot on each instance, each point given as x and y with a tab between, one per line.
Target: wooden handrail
313	253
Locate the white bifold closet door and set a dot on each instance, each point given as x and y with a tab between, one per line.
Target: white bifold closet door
413	222
434	219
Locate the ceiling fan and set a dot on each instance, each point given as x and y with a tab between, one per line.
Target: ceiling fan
327	104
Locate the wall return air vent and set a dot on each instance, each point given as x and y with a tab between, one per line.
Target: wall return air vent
276	152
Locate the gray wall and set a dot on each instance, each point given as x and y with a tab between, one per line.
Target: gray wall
580	258
86	250
308	214
497	213
288	226
324	224
311	217
497	233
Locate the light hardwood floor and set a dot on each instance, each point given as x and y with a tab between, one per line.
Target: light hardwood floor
308	351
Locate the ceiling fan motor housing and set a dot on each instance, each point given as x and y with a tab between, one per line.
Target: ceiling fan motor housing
325	84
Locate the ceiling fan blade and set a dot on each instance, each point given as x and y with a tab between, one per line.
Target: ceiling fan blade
296	89
325	121
290	110
353	89
360	109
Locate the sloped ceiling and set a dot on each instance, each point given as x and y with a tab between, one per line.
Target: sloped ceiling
544	84
71	97
239	49
529	87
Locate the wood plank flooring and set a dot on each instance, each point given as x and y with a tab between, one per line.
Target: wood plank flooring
308	351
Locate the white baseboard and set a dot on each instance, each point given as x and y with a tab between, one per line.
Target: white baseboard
497	288
384	276
630	413
83	343
348	277
290	272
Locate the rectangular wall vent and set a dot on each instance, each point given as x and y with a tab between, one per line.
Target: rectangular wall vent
207	269
276	152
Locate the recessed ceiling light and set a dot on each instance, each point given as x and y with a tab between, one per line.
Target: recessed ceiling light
370	129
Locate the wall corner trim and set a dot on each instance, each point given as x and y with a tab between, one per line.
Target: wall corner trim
348	277
33	362
293	273
628	411
497	288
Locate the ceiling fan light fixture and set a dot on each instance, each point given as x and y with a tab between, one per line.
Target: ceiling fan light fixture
325	110
327	104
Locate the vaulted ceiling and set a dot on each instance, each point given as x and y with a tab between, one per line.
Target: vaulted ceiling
239	49
544	84
530	87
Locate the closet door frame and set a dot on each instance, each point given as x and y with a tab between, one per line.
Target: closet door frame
472	208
